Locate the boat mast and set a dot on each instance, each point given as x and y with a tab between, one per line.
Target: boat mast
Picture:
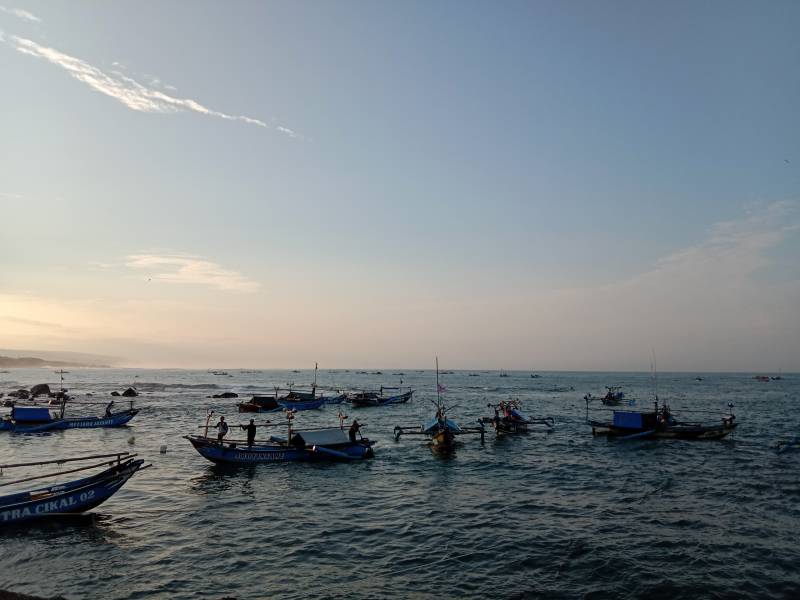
438	396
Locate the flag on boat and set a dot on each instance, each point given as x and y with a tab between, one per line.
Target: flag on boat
440	388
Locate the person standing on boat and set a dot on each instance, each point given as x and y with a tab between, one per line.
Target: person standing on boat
251	432
354	428
108	408
222	429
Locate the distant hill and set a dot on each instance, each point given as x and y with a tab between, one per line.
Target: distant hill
30	362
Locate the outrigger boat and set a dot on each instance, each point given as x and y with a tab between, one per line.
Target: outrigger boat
659	424
75	496
39	419
440	430
372	398
308	445
508	418
613	397
293	399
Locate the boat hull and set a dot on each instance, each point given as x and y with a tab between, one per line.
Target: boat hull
67	498
232	454
362	402
115	420
674	432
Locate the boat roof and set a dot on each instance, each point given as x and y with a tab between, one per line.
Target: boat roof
322	437
433	424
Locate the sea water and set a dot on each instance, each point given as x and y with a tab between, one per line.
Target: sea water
556	515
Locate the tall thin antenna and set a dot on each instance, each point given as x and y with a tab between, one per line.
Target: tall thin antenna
438	398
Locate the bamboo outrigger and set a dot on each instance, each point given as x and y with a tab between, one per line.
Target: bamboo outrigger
440	430
508	418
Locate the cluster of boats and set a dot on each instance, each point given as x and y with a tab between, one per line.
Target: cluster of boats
287	443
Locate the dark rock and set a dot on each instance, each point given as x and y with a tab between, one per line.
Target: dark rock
226	395
40	389
21	394
130	393
115	393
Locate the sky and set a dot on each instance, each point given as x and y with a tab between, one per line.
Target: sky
524	185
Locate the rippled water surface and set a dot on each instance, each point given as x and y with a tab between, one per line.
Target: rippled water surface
541	515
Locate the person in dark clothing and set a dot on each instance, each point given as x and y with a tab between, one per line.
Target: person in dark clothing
354	430
251	432
108	408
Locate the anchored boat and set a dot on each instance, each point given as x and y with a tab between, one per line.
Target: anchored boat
38	419
441	431
509	418
75	496
379	398
660	423
613	396
308	445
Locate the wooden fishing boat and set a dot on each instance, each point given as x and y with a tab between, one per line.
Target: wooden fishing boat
660	424
614	396
294	400
441	431
38	419
508	418
309	445
379	398
75	496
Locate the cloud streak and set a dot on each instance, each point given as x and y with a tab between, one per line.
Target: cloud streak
22	14
183	269
125	89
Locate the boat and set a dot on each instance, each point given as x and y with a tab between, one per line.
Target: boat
372	398
503	374
440	430
660	423
613	396
39	419
535	376
329	444
71	497
762	378
293	400
509	418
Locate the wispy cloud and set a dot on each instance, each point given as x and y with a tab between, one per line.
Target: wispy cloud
178	268
125	89
21	13
11	196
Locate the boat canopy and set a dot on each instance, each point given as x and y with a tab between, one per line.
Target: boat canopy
321	437
433	425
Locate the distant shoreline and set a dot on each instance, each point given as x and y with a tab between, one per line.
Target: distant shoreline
31	362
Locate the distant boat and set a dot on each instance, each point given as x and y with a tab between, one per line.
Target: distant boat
613	396
503	373
474	375
379	398
535	376
76	496
762	378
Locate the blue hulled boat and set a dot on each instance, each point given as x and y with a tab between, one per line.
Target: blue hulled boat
441	431
75	496
329	444
38	419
